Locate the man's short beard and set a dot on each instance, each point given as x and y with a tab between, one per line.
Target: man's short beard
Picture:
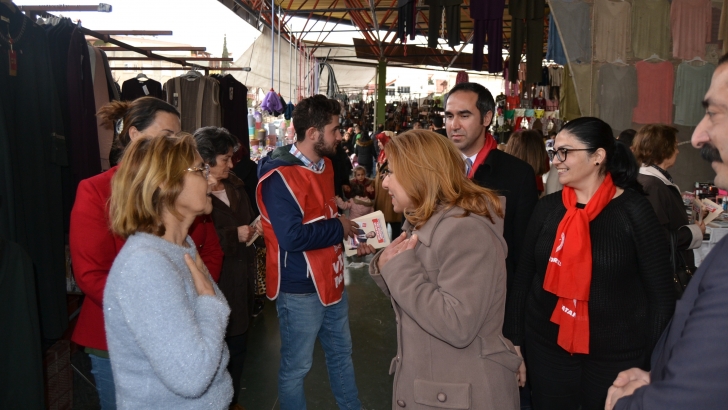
710	153
320	148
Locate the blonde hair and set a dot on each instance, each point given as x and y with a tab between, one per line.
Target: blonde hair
528	145
431	171
148	181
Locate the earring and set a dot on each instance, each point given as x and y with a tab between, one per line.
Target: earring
597	164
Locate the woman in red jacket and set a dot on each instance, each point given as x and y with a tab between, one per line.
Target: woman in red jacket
94	247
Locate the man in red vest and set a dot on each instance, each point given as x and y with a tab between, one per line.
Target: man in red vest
304	262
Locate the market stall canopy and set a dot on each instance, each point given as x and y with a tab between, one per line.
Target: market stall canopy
349	75
377	21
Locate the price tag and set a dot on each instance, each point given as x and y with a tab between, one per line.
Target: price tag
145	89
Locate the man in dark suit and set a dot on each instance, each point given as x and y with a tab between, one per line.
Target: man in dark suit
689	364
468	114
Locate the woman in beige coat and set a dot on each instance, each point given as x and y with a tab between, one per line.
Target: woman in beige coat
446	276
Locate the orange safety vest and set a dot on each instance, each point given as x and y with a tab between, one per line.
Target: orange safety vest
314	193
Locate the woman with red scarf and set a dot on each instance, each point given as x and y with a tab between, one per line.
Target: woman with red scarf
382	200
592	292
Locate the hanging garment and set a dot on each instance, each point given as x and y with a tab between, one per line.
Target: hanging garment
114	89
651	28
32	155
452	21
487	18
568	102
691	22
691	84
22	382
556	75
196	99
554	49
134	88
407	12
59	39
612	27
585	79
234	109
83	139
573	19
101	98
655	84
617	95
723	27
527	27
462	77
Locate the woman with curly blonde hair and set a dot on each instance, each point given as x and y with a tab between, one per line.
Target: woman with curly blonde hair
446	276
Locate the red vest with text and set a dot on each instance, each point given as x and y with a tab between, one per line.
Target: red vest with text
314	193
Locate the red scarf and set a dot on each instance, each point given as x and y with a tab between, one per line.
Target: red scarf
569	271
489	145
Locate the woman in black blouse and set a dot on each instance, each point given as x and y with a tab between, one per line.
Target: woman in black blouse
592	292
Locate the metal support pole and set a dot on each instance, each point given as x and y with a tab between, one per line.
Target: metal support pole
381	91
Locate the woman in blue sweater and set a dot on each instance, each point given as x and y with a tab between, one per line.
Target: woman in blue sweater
165	317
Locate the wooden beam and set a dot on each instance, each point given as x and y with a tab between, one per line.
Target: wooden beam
153	48
181	58
135	32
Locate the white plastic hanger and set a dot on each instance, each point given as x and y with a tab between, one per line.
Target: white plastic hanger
619	61
192	73
142	77
696	58
654	57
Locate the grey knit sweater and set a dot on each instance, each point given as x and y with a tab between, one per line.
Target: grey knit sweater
166	343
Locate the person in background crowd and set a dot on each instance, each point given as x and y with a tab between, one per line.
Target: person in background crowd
448	295
689	366
438	125
233	217
416	125
360	178
342	170
468	113
359	204
627	136
382	199
593	290
93	246
364	150
528	145
357	132
305	264
347	142
655	147
164	316
247	170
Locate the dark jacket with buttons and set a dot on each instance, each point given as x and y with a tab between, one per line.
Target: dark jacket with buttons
449	300
237	278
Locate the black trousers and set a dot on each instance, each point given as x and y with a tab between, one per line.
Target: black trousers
529	31
562	381
238	347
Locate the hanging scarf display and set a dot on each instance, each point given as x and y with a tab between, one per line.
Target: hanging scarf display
568	274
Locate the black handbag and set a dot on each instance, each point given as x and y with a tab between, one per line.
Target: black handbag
681	272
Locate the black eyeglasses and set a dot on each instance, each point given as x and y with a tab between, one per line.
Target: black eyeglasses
562	152
205	170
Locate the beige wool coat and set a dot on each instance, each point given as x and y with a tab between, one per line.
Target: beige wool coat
449	299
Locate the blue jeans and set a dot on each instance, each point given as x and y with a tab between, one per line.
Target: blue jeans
302	318
101	369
